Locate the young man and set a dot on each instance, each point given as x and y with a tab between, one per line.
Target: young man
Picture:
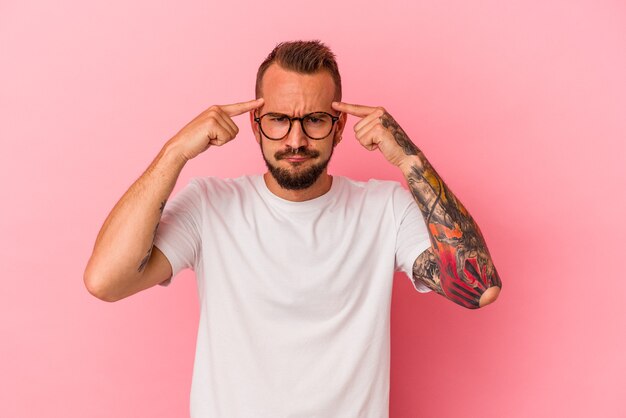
295	266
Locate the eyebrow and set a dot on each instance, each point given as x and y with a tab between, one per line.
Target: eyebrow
287	114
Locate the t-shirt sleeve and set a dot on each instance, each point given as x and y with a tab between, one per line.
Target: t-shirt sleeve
179	231
412	234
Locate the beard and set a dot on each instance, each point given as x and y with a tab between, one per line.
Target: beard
301	179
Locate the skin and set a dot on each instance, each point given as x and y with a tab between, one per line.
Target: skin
145	260
457	265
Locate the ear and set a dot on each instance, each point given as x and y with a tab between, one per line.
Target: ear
255	127
341	124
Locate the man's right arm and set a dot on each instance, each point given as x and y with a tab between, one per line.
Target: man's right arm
124	260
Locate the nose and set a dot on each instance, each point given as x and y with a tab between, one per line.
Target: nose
296	137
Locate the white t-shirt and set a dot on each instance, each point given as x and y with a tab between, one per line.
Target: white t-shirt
294	296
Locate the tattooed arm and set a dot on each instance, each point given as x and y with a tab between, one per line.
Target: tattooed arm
457	265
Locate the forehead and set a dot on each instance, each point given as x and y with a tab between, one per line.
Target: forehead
290	92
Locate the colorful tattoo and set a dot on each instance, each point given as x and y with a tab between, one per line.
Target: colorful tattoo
458	265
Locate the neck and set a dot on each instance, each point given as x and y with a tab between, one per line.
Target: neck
321	186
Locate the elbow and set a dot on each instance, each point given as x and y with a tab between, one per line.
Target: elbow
489	296
96	286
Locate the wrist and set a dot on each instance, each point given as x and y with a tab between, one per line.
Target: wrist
409	163
172	153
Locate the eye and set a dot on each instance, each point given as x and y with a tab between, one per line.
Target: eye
317	119
278	118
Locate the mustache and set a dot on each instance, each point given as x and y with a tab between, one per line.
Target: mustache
301	152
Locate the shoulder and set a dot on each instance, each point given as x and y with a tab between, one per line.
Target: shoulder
224	194
375	188
379	197
210	185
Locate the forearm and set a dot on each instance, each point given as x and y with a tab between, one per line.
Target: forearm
458	265
125	241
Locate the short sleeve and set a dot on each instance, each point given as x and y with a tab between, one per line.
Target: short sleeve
412	235
179	231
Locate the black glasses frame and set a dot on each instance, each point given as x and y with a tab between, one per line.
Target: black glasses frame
291	119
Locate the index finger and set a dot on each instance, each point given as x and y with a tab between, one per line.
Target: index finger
353	109
243	107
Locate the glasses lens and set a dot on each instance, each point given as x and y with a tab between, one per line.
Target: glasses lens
275	125
318	125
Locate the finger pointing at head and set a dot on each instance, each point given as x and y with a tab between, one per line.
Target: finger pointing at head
353	109
243	107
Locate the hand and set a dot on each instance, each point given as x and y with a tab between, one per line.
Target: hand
378	130
214	126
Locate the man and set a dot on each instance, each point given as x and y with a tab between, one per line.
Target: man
294	267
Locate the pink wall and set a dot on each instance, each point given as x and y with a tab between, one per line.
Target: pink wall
520	106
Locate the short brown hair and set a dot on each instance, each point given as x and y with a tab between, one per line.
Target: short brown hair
305	57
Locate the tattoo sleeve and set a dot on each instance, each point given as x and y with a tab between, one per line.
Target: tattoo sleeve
144	261
458	265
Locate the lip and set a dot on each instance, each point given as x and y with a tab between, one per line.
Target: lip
296	159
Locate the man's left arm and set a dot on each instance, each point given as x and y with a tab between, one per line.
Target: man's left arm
458	265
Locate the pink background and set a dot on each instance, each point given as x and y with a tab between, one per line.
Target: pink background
519	105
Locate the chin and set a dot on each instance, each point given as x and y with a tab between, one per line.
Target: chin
298	177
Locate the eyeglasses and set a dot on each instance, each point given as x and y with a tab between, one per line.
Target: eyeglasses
316	125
